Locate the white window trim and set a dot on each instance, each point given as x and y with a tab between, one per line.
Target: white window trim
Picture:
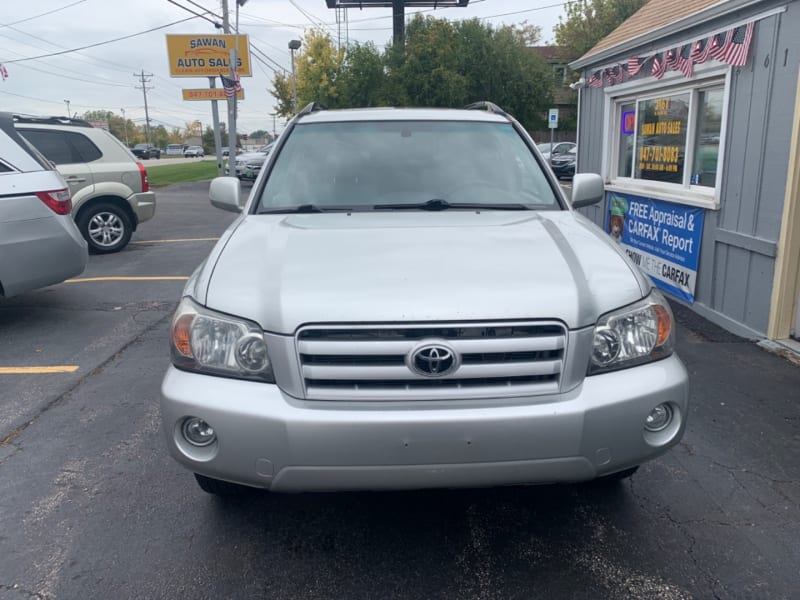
673	82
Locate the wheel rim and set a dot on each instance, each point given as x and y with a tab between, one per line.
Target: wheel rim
106	229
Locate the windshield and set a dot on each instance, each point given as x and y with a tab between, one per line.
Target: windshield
368	165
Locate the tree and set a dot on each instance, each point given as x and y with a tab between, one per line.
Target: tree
589	21
317	68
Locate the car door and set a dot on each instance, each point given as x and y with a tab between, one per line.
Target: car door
58	148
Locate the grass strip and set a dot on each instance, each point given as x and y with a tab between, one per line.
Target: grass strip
161	175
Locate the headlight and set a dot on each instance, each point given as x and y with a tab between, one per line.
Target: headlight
635	334
210	342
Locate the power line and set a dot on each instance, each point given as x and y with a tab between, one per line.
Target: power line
125	37
50	12
197	14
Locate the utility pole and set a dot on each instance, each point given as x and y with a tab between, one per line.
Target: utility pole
67	103
145	79
226	27
212	81
274	132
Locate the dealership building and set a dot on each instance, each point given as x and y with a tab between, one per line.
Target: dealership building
691	112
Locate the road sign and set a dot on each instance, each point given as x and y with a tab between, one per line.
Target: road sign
209	94
552	119
206	55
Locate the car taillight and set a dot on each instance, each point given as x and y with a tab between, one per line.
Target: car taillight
143	173
59	201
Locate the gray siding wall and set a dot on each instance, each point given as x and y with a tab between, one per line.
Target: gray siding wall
739	240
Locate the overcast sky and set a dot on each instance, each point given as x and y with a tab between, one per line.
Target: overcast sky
103	77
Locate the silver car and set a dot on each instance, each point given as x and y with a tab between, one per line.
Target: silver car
407	300
39	243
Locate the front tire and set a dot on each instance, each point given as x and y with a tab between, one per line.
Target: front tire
106	227
219	488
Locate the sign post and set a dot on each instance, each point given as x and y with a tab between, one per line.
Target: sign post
552	124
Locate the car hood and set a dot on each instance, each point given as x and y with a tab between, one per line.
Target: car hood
250	155
284	271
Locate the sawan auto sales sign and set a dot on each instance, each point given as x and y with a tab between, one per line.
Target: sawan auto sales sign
662	238
206	55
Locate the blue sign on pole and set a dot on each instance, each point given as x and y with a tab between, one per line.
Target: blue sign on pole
662	238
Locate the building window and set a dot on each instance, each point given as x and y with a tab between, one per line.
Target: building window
670	140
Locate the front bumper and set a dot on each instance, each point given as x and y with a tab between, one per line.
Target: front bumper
270	440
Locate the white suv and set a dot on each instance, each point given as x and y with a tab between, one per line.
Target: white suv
110	191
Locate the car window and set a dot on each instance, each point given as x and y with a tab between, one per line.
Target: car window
53	144
4	168
363	164
85	148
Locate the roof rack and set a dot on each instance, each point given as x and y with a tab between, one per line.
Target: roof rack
311	107
51	121
486	105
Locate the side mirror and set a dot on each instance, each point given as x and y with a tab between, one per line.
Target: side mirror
587	189
226	193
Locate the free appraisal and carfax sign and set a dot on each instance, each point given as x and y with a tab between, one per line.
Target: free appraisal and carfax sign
662	238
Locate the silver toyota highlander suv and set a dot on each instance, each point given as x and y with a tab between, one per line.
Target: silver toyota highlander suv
408	301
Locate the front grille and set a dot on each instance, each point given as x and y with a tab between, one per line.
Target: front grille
372	362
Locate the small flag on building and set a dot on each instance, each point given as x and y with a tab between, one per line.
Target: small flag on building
634	66
719	45
700	51
685	64
231	84
3	72
596	80
659	68
672	59
739	46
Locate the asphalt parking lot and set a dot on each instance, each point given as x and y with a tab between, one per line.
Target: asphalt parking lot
91	506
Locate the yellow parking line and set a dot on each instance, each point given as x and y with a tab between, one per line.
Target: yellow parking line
38	370
119	278
204	239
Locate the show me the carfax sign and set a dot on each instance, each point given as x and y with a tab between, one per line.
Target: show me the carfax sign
663	238
206	55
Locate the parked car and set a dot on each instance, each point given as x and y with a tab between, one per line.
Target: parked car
555	149
407	300
248	164
110	192
175	149
563	165
194	151
146	151
39	243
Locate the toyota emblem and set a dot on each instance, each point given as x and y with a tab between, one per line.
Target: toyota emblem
433	360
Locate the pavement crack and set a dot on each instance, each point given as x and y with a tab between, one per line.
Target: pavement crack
97	370
21	590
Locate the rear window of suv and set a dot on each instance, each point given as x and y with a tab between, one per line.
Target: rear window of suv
62	147
369	163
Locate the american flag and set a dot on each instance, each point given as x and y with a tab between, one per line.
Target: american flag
720	44
685	64
659	68
700	51
739	46
634	66
615	74
231	84
596	80
672	59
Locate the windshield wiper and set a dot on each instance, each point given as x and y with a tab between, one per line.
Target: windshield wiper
440	204
304	208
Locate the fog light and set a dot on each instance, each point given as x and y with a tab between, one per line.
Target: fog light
659	418
197	432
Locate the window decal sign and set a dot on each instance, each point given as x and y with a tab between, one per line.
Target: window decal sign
628	122
661	143
662	238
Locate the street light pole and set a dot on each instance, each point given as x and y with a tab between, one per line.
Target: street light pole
125	122
67	103
294	45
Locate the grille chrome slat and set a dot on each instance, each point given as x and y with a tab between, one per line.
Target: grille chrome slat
371	362
392	372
